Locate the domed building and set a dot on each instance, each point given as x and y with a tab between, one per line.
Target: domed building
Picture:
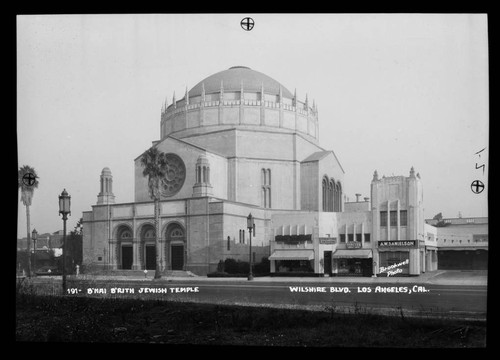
236	143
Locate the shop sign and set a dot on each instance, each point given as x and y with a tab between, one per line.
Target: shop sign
327	241
353	245
397	243
292	239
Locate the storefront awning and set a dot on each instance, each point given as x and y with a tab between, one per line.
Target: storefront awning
292	255
352	254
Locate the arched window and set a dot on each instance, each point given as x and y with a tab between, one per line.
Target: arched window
176	232
149	234
339	197
126	234
324	194
331	194
335	197
266	188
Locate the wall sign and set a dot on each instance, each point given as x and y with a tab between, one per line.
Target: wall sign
327	241
287	239
353	245
396	243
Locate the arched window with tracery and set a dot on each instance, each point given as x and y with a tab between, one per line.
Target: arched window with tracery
331	188
126	234
339	196
324	192
266	188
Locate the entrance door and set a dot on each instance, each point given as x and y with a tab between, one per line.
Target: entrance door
177	257
127	257
367	267
327	262
150	257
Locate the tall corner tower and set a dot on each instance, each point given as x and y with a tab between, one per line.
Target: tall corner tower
106	194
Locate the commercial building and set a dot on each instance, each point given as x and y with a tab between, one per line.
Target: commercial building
462	242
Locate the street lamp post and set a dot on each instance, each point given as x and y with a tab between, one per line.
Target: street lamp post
250	226
34	235
64	209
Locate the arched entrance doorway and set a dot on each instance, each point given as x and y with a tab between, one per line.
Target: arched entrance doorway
125	248
176	242
148	248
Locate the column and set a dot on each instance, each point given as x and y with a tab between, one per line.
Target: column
354	232
262	106
280	104
362	233
242	100
398	206
136	263
112	254
388	224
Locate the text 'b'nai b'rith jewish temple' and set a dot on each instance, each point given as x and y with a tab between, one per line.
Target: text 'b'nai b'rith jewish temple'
237	143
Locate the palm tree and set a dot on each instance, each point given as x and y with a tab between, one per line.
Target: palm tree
27	185
154	163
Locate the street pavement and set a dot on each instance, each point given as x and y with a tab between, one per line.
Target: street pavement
460	294
438	277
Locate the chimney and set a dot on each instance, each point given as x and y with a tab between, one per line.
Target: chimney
357	197
366	199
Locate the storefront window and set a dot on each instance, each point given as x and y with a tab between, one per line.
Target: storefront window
294	266
350	267
388	258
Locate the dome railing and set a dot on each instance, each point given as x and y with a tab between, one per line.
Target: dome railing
181	106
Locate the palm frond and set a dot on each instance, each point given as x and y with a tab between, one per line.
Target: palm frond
154	163
27	191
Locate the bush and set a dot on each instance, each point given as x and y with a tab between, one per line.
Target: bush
232	266
219	274
264	267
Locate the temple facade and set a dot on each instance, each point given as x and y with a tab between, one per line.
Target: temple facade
237	143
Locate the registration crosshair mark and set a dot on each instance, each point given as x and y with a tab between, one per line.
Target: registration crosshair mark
477	186
29	179
247	23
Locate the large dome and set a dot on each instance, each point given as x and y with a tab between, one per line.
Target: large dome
232	79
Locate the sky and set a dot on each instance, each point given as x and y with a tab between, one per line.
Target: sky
392	90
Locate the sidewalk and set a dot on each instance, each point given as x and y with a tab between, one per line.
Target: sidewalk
438	277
